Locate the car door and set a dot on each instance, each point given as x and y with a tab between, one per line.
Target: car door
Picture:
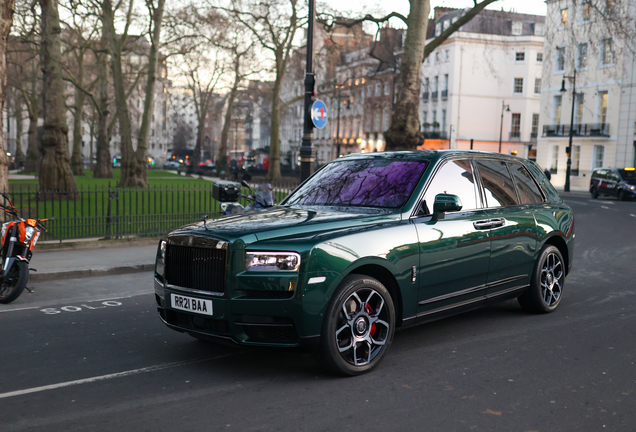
513	230
454	248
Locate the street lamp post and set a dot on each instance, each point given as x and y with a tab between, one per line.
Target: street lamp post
568	150
507	108
306	151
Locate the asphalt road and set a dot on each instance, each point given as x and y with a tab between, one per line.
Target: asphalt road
92	355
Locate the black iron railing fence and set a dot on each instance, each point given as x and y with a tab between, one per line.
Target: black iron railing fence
114	212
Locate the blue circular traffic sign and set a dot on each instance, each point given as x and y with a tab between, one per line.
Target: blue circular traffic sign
318	114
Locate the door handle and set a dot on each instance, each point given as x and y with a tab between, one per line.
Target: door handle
494	223
482	224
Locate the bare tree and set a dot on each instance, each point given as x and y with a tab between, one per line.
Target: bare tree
404	132
55	172
274	24
6	19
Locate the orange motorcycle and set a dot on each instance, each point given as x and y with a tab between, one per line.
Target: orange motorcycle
19	237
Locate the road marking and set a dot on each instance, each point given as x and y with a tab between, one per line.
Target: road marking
109	376
632	215
78	300
21	309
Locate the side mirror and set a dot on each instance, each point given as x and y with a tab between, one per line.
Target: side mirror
445	203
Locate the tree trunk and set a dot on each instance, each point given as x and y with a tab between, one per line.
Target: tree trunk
103	167
273	172
55	172
404	132
17	111
6	20
77	165
130	171
221	164
32	163
139	166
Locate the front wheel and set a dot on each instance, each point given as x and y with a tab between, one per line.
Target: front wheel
358	327
546	286
594	193
621	195
12	286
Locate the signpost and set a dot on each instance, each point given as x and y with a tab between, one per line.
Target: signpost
319	114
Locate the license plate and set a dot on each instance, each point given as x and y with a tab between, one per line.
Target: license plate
191	304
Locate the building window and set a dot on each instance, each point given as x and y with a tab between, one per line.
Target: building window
610	7
437	58
564	17
446	24
598	156
385	120
554	159
586	11
576	160
369	91
556	109
517	26
537	85
378	114
602	106
559	64
387	88
606	52
539	57
446	55
426	85
579	103
535	126
518	87
434	121
520	56
378	89
581	55
538	29
515	126
424	121
445	83
443	120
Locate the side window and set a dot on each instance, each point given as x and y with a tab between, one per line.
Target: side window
498	185
528	189
456	178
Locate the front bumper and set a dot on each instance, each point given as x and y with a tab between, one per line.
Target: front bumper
244	316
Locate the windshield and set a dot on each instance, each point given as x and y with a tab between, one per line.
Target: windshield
628	174
374	182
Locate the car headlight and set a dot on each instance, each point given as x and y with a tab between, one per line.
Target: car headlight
632	187
29	231
160	264
272	261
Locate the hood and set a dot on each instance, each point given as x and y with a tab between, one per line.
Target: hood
283	221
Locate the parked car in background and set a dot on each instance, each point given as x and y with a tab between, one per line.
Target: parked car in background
171	165
615	182
368	244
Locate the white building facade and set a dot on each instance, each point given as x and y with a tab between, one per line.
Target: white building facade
585	39
483	84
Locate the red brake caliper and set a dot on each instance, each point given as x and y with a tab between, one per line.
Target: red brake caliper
369	311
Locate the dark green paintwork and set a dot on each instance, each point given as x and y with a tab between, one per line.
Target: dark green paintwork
454	263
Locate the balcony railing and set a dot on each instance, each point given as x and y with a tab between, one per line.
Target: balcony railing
444	94
435	134
587	129
425	96
434	95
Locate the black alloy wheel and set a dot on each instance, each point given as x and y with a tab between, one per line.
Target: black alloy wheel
594	193
358	327
546	287
12	286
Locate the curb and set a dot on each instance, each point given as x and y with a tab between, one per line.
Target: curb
86	273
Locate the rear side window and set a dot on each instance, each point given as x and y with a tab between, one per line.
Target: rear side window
455	177
601	173
498	185
528	189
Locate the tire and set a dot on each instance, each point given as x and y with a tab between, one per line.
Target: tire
546	287
358	327
621	195
594	193
16	280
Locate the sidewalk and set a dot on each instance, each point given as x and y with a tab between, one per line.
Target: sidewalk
92	259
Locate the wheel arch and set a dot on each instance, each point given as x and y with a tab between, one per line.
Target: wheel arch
562	246
386	278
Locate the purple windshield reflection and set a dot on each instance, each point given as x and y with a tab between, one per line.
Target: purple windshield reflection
366	183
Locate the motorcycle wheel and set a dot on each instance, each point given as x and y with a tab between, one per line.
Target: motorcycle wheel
12	286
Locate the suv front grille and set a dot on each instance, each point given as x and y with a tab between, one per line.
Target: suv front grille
196	268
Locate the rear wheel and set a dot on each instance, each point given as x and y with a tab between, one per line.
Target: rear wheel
621	195
358	327
594	193
546	286
12	286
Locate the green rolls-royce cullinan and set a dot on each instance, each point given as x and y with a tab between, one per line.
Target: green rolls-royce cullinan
368	244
